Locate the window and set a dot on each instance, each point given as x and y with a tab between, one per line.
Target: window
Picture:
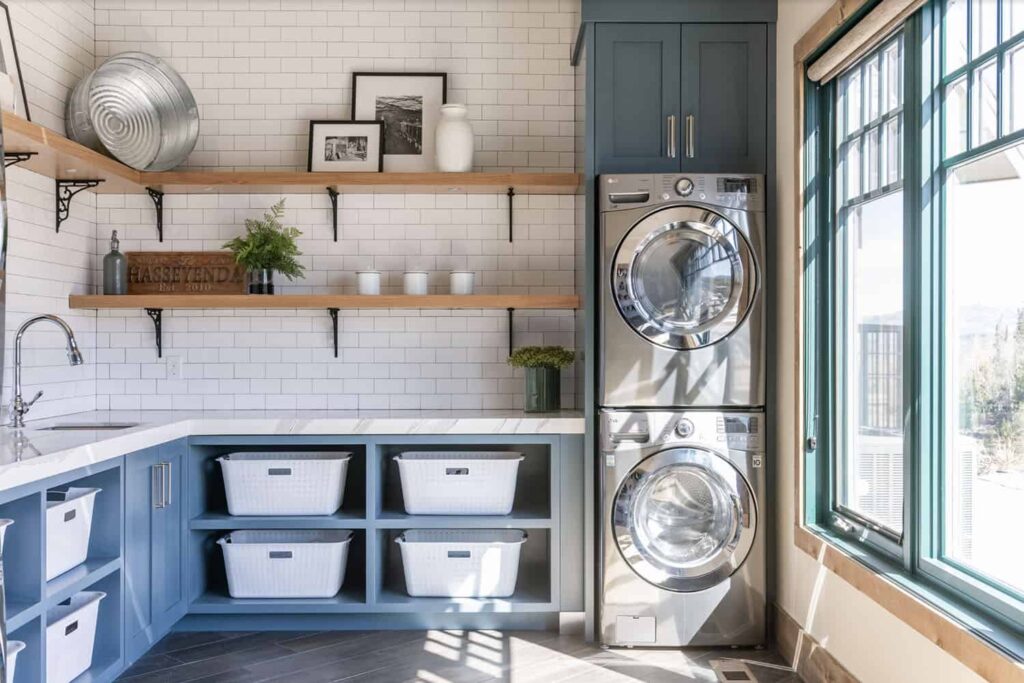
915	309
869	292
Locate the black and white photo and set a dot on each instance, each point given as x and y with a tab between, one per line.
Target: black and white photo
346	146
12	86
409	105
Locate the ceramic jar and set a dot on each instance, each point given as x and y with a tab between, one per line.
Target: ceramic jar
368	282
461	281
454	141
415	282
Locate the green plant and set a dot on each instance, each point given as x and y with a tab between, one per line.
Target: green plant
541	357
268	245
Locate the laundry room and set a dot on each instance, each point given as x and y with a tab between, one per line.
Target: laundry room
455	341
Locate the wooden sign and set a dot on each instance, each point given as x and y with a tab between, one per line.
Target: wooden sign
184	272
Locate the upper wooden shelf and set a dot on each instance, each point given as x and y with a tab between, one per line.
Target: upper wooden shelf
59	157
322	301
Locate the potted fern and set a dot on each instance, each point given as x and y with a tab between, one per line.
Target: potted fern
543	365
266	247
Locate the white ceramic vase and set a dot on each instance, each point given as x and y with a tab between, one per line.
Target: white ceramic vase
454	142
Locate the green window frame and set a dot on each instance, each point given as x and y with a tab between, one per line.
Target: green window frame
913	555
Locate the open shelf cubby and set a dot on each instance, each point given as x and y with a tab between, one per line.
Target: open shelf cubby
533	585
29	667
107	650
210	586
208	501
104	537
531	505
23	549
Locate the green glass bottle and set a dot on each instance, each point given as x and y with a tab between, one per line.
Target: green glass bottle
115	269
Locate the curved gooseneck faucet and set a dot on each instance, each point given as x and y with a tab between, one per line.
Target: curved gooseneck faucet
18	405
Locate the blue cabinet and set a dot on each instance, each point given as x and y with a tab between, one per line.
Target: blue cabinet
155	535
724	97
637	85
681	97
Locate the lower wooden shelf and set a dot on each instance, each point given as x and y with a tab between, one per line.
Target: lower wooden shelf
325	301
226	522
214	602
80	578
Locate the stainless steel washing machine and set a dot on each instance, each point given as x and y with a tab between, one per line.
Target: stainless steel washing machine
683	529
682	306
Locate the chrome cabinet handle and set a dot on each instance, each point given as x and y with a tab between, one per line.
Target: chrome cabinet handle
157	474
671	147
167	484
691	136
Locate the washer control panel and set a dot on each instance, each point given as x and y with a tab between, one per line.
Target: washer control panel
744	192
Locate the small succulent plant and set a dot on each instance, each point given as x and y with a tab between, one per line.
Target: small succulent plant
541	357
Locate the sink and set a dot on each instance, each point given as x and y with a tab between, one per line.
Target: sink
88	426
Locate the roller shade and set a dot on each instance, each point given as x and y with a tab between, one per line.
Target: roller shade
862	38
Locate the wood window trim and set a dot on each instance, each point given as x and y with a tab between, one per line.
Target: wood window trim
950	636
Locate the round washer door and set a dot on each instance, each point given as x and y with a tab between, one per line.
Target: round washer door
684	277
684	519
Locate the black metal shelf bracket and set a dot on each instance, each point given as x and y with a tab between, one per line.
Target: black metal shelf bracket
158	201
157	315
511	313
12	158
333	194
66	190
333	312
511	194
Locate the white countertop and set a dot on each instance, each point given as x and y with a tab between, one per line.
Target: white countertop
32	454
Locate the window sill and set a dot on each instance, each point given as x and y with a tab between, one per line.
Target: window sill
994	653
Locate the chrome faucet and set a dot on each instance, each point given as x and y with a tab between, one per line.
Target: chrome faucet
20	406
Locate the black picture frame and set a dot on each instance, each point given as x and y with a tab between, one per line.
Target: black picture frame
403	160
378	125
17	60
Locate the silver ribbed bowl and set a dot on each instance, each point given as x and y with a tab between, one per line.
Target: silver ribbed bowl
137	109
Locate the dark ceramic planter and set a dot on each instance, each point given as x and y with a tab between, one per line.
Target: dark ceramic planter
543	390
261	281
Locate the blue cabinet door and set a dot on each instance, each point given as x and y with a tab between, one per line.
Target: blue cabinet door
724	77
636	117
168	546
154	545
141	494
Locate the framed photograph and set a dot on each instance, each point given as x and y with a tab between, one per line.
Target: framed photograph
409	104
12	87
341	146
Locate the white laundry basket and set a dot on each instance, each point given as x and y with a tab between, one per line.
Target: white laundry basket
463	563
70	636
458	482
284	483
286	563
13	648
68	527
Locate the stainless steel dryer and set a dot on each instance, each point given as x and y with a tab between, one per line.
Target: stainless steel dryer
683	529
682	312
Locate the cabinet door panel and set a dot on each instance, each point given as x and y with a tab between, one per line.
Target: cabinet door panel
637	90
140	491
724	87
169	541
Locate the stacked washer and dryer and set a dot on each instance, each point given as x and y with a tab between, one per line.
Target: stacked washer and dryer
681	390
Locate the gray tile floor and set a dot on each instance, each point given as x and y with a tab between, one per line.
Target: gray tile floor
428	657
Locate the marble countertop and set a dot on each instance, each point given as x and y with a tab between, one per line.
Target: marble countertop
34	453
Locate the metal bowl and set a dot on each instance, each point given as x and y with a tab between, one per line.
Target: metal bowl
137	109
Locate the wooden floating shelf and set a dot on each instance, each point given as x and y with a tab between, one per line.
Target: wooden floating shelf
324	301
56	156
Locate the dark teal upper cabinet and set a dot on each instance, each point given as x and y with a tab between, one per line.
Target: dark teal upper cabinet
681	97
637	97
724	97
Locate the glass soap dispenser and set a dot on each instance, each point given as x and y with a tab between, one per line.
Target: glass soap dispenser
115	269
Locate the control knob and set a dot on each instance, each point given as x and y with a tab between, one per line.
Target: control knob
684	428
684	187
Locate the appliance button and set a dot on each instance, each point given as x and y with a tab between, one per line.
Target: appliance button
684	428
684	187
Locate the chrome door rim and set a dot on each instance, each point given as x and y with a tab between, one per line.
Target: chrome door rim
719	566
710	225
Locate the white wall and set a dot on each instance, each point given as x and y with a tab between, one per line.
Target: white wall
55	48
262	69
870	642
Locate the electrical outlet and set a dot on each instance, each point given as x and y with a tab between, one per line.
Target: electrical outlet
174	367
